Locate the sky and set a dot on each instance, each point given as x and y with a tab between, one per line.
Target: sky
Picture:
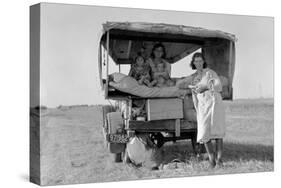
70	37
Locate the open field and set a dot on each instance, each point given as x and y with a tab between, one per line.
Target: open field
73	149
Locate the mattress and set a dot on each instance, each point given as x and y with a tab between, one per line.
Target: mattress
129	85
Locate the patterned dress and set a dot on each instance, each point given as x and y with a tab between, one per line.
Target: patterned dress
209	106
139	72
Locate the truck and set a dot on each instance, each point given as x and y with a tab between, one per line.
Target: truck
165	116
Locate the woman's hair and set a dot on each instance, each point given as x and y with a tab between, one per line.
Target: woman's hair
198	54
158	45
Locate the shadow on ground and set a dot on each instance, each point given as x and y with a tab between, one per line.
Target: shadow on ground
235	152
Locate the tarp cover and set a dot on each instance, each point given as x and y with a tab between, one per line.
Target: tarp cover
168	28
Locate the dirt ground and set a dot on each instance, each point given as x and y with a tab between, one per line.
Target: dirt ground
73	148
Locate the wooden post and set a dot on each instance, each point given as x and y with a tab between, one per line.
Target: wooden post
130	109
100	65
107	55
107	65
177	128
231	67
127	115
129	49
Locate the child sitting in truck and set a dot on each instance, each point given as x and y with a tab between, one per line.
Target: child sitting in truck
159	80
141	71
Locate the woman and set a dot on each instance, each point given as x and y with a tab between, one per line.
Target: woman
158	55
206	85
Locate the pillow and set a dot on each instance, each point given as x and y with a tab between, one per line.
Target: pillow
117	77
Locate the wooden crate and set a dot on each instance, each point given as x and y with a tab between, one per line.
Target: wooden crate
158	109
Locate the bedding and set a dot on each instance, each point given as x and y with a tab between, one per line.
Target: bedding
129	85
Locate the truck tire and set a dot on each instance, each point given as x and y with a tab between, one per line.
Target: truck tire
126	159
157	139
115	125
117	157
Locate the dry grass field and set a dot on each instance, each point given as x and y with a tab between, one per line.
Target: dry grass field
73	148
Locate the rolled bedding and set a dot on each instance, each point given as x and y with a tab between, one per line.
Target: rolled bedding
129	85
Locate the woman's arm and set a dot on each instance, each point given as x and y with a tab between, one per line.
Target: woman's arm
214	82
185	82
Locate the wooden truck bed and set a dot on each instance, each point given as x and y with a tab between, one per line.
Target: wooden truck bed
162	125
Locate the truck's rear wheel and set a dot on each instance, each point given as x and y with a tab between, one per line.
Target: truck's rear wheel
117	157
157	139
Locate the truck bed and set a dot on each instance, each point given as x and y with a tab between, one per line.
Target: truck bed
161	125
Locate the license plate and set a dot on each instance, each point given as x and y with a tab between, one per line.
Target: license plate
118	138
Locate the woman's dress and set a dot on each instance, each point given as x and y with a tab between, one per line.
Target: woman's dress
208	105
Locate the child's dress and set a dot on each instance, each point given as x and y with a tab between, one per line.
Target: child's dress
139	72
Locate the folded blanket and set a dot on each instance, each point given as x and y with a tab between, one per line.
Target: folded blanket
129	85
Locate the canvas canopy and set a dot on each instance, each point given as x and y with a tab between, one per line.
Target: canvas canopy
129	38
124	40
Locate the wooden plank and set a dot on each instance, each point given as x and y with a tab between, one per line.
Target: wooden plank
177	128
123	61
158	109
160	125
184	135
